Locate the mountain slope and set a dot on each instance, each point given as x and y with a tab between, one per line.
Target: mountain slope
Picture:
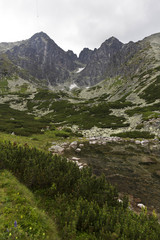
41	57
113	59
4	46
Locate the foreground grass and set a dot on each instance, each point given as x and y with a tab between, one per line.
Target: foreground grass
19	216
40	141
37	140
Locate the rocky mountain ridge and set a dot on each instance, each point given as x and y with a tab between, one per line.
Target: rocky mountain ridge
4	46
113	59
41	58
85	55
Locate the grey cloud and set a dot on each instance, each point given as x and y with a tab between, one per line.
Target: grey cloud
74	24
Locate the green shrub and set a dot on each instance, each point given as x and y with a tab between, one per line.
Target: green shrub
135	134
140	126
61	134
20	122
147	112
151	93
83	204
69	130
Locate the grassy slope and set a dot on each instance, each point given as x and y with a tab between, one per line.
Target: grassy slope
40	141
17	203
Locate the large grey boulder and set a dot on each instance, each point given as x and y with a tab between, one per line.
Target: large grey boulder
56	149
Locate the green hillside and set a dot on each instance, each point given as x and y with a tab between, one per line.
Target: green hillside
82	205
20	217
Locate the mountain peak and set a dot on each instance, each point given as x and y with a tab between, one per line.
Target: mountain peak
85	55
43	59
112	40
111	43
40	35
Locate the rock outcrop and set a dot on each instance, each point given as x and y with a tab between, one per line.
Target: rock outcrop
43	59
85	56
112	59
72	55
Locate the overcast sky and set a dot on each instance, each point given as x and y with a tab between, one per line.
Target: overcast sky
75	24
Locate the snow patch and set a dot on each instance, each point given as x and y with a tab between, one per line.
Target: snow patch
80	70
73	85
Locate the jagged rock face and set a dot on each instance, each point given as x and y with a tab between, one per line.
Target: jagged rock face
85	55
4	46
109	61
72	55
43	59
7	68
40	58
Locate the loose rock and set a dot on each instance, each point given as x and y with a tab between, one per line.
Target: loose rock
73	144
78	150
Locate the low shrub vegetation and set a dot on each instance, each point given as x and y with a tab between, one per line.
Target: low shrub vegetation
19	122
148	112
84	206
151	93
61	111
135	134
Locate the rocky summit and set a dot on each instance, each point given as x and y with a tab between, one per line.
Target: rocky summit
41	58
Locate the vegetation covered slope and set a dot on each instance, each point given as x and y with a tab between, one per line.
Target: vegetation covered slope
85	206
20	217
26	113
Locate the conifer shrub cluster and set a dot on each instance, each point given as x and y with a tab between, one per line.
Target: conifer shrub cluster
147	112
135	134
85	115
19	122
151	93
84	206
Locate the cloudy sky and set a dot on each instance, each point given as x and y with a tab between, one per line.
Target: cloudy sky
75	24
